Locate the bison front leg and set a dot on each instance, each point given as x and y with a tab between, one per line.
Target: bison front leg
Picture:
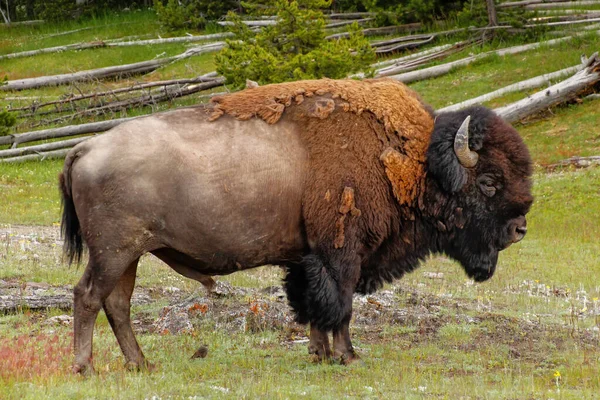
342	345
330	286
319	344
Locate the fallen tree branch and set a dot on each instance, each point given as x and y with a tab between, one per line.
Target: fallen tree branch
411	64
47	155
379	31
532	83
149	99
181	39
535	2
577	162
348	22
34	107
403	46
561	92
100	73
56	49
443	69
72	130
41	147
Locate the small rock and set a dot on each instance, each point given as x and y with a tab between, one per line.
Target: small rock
434	275
173	320
64	320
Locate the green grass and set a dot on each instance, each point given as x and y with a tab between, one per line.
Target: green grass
445	337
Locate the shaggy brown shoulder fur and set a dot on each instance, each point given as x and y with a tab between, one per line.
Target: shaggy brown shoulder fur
395	106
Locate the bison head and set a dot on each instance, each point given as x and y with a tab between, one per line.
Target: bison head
482	171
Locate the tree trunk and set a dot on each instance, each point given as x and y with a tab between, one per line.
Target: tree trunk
443	69
523	85
491	10
41	147
127	69
561	92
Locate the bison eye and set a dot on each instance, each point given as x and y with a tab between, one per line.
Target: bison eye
488	184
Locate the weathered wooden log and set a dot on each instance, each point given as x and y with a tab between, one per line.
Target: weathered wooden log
399	60
348	22
72	130
199	79
148	99
442	69
559	93
181	39
560	23
41	147
386	30
100	73
532	83
534	2
410	64
56	49
403	46
561	4
351	15
46	155
32	22
382	43
266	22
577	162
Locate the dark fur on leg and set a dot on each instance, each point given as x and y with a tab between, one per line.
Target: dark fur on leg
326	307
296	285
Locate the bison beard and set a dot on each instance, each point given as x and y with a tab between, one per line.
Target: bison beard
346	184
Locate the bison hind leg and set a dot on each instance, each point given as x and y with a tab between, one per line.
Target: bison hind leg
117	307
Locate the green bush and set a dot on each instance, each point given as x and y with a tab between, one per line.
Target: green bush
6	121
295	48
179	14
57	10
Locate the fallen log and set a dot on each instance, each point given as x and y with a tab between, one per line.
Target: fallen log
403	46
41	156
577	162
100	73
266	22
351	15
532	83
534	2
443	69
199	79
379	31
72	130
560	23
348	22
32	22
414	63
182	39
41	147
149	99
56	49
557	5
561	92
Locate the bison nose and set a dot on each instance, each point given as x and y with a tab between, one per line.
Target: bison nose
520	233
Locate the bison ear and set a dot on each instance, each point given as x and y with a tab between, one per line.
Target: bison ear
450	153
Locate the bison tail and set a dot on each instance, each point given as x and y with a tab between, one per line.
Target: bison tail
326	307
70	228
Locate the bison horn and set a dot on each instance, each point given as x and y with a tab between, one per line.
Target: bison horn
466	157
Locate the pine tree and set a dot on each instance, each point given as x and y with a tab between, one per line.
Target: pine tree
293	49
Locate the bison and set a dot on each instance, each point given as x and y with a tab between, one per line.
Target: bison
345	184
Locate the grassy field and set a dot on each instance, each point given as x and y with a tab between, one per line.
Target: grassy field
531	332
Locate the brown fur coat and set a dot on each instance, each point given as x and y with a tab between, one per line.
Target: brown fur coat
362	136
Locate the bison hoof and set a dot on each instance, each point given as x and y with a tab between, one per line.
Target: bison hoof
319	354
143	366
86	370
347	357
